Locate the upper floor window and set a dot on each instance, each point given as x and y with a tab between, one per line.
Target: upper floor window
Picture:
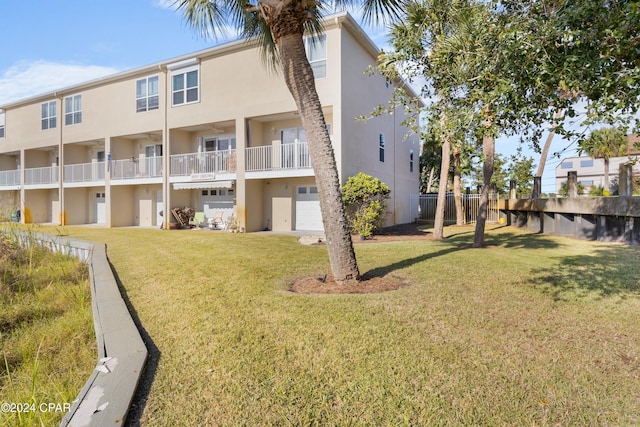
566	165
73	110
147	94
49	115
410	160
185	86
317	55
381	147
292	135
1	124
219	144
586	163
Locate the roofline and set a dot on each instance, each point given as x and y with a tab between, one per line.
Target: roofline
330	21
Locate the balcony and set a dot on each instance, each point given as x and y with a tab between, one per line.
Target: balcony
279	160
10	178
201	165
46	176
84	172
136	168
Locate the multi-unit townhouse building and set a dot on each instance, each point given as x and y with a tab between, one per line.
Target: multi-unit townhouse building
214	130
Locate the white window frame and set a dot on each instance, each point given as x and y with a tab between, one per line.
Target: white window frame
49	120
73	115
184	90
410	160
300	135
144	99
317	55
2	124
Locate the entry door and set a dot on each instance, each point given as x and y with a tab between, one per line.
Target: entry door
152	154
100	208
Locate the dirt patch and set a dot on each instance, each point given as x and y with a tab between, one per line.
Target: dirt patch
366	285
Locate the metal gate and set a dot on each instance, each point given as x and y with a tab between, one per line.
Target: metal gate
423	206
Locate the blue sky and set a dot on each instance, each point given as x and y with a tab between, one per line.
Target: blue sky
51	44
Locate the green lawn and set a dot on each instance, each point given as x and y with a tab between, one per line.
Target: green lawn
533	330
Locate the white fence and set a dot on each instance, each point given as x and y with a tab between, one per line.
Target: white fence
37	176
84	172
207	162
135	167
276	157
9	178
423	206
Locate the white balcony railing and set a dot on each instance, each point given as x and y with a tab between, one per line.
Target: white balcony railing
41	176
133	168
9	178
84	172
278	157
203	163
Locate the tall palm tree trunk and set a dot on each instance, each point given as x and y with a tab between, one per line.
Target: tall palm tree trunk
438	225
488	151
457	187
299	78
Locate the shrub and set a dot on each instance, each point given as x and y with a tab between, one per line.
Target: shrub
364	198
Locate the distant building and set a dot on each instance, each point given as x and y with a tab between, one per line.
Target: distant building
591	171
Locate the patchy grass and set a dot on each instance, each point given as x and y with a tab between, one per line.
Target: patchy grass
532	330
47	342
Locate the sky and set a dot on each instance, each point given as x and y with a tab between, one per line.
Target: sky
52	44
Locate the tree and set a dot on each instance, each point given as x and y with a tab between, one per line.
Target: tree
365	200
280	26
604	143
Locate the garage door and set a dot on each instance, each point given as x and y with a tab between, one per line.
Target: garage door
308	216
214	201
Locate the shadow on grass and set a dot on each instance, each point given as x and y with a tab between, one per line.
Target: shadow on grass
517	240
386	269
611	271
141	394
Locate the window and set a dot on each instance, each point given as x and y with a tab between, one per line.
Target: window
317	55
381	147
100	156
73	110
49	115
587	182
566	165
219	144
410	160
147	94
185	85
1	124
586	163
291	135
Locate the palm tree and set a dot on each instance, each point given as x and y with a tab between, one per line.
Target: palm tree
280	26
605	143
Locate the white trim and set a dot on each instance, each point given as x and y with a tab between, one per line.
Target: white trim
183	64
202	185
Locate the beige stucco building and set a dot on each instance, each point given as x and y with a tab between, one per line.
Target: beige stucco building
213	130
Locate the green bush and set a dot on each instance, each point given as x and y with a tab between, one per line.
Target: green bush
364	198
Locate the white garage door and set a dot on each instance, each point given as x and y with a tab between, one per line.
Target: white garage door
214	201
308	216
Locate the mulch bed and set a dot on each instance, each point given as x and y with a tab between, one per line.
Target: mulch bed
366	285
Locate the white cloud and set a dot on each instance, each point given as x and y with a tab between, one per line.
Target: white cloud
26	79
165	4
